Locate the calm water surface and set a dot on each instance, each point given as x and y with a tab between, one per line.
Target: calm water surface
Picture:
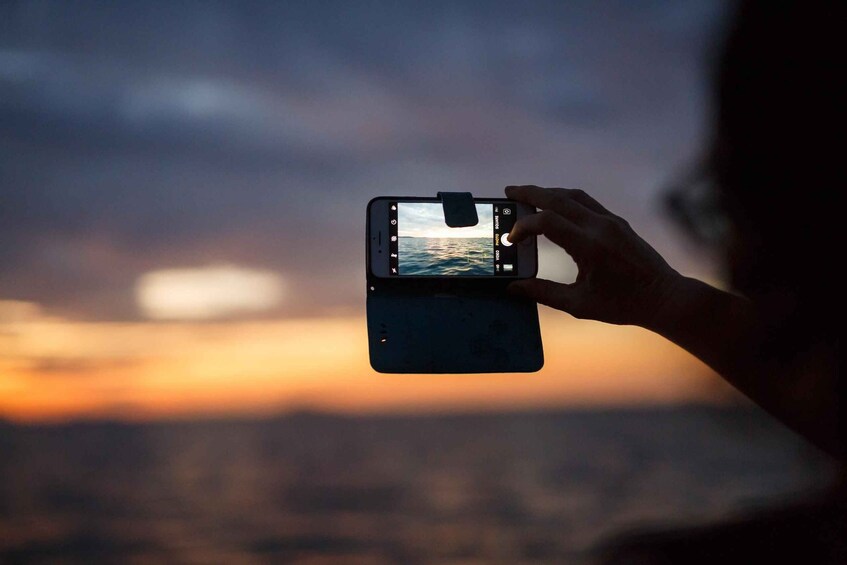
445	256
488	488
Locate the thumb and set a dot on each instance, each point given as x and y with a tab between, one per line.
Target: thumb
556	295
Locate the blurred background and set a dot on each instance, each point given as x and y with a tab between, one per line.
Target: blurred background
183	356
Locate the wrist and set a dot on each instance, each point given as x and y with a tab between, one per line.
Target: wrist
672	297
690	312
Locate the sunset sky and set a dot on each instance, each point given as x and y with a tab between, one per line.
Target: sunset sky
183	190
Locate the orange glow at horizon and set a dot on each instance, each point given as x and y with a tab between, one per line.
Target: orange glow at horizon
54	369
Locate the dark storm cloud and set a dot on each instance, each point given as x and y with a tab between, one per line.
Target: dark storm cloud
144	135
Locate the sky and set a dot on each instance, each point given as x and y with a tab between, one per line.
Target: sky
426	219
183	187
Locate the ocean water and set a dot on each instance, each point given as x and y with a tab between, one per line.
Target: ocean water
529	487
445	256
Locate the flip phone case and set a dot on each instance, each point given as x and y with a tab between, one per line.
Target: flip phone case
450	325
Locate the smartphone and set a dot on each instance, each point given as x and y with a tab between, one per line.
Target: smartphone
408	237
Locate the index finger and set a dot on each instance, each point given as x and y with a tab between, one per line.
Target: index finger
556	228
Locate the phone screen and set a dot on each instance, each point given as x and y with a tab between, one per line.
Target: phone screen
423	245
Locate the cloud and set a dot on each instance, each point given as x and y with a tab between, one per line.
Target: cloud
140	137
64	367
207	293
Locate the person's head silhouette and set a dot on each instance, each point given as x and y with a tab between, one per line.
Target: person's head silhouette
775	162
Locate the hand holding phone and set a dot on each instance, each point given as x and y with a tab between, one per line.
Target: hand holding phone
622	279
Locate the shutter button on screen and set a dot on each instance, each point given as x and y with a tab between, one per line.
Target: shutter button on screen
504	239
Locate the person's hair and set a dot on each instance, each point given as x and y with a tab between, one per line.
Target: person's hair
777	158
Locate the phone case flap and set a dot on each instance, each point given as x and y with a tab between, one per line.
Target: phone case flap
464	332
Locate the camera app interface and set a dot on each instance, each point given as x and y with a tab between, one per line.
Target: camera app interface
422	244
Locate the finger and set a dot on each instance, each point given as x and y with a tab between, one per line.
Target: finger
576	194
556	295
558	229
556	199
587	200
